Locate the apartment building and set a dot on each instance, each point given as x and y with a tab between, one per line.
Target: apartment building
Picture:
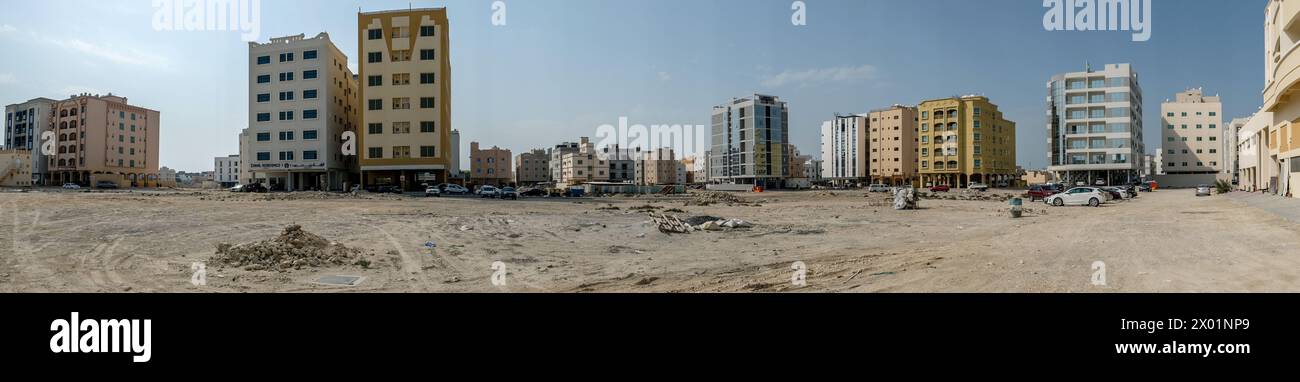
891	143
15	168
965	140
1229	144
302	98
1282	79
103	138
24	123
622	162
749	136
490	166
813	170
585	165
533	167
245	145
226	170
406	92
1254	159
844	148
1095	125
659	167
1191	128
557	158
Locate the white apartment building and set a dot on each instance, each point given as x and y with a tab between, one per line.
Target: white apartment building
1094	126
301	100
844	149
226	170
1230	141
1257	170
1191	127
23	126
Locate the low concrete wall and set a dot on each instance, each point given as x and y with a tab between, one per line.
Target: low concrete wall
1185	181
731	187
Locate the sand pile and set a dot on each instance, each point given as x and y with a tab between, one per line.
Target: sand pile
293	249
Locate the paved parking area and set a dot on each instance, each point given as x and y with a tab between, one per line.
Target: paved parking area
1286	208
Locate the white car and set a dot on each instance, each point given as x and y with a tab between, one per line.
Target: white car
1078	196
71	186
432	191
978	186
488	192
878	188
456	189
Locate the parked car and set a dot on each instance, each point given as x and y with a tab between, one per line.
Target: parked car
106	184
488	192
1099	182
508	193
1144	187
1040	192
977	186
1203	190
1078	196
1118	193
71	186
237	188
388	190
939	188
432	191
453	189
878	188
533	192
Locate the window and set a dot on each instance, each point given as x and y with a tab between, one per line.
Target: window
401	151
263	79
286	115
309	94
375	104
263	137
286	135
264	97
1212	113
401	32
309	155
286	155
263	60
1213	126
376	34
286	57
286	76
286	96
309	55
263	117
401	127
426	54
264	156
426	127
376	128
426	78
309	135
426	102
309	75
401	56
427	31
402	103
426	152
1170	114
375	80
401	79
375	152
374	57
309	114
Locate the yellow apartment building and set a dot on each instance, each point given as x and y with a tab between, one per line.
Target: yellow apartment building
965	140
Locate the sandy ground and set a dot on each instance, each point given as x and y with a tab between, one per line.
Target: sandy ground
1168	241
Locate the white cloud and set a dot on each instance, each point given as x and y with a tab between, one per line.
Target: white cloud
820	75
111	53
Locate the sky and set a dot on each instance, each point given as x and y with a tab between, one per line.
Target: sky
558	69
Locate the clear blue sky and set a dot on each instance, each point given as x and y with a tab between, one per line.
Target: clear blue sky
560	68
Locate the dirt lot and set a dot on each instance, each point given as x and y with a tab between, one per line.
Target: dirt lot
1168	241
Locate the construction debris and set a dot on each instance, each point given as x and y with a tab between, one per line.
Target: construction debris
671	224
905	198
293	249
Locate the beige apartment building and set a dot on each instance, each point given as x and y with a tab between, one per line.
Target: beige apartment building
1257	171
1282	81
104	138
965	140
892	145
405	91
15	168
1191	127
489	166
659	167
584	165
533	167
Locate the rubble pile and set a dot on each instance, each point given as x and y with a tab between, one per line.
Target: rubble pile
710	197
293	249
